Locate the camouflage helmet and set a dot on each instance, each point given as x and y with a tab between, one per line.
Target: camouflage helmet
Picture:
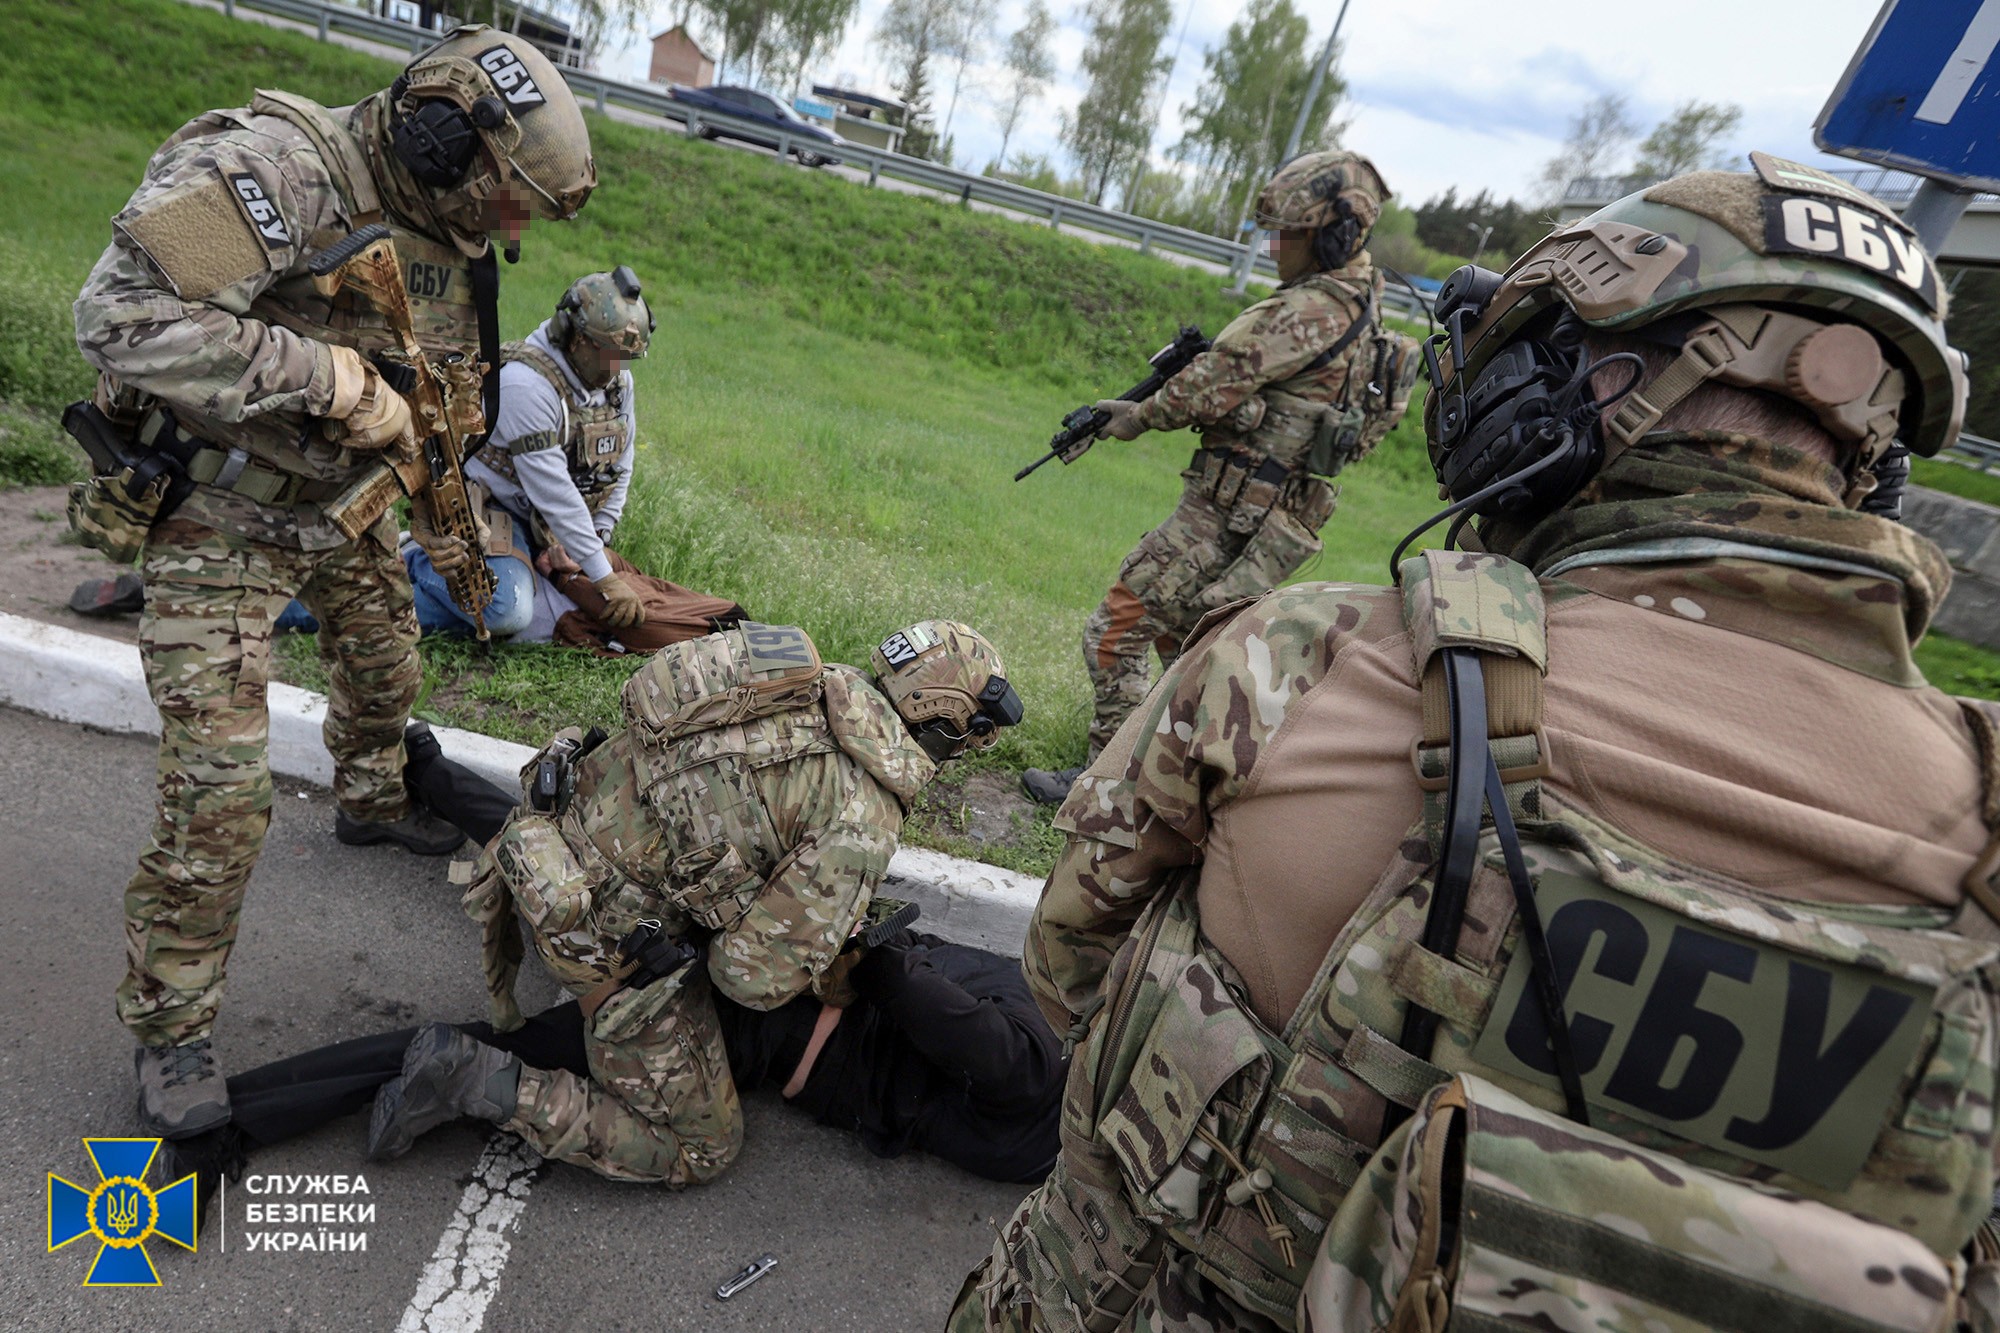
607	310
1315	190
481	109
947	684
1786	248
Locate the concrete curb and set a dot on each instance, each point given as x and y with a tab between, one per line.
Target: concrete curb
76	677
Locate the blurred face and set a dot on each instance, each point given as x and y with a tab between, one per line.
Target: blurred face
507	212
594	365
1291	251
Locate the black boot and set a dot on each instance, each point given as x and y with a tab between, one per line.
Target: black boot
1050	786
420	831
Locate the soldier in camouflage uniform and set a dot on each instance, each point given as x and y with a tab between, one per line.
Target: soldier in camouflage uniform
742	820
1693	997
1251	507
215	348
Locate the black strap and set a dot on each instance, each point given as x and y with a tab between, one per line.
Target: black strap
1362	323
1473	786
1270	469
1458	854
1548	986
486	305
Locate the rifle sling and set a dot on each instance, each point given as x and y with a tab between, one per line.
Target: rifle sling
486	305
1362	323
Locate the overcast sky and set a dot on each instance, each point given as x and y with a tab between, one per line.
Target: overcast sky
1468	93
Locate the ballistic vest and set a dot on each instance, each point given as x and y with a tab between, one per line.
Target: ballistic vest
592	442
1292	408
437	276
1845	1054
665	819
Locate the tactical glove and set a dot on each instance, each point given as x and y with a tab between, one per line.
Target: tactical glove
622	607
372	415
448	552
1124	423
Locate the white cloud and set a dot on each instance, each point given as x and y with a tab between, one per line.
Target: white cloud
1474	94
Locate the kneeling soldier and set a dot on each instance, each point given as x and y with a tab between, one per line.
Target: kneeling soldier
742	818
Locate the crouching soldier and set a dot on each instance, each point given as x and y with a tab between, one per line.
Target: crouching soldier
740	820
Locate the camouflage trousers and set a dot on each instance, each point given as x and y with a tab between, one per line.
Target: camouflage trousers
1214	549
660	1105
205	640
998	1297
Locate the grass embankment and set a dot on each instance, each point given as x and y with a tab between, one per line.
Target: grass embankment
1956	479
841	387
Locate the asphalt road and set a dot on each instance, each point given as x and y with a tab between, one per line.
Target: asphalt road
338	942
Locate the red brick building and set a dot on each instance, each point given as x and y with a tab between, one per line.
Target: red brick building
678	58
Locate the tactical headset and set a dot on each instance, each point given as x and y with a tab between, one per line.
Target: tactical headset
438	141
563	323
999	706
1526	433
1334	243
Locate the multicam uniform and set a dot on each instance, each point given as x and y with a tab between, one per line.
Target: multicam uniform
203	304
1729	848
1250	512
1269	803
767	823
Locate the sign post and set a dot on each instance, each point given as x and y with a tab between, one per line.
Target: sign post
1921	94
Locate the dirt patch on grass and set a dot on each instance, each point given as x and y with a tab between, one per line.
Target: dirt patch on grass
40	565
982	813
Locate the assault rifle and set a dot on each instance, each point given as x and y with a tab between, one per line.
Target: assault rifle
444	405
1079	428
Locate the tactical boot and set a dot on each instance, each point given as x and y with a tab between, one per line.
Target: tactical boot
446	1074
181	1091
109	597
420	831
1050	786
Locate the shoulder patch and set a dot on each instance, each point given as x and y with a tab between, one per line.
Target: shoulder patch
262	214
199	235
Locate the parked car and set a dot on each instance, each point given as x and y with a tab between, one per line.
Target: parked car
747	104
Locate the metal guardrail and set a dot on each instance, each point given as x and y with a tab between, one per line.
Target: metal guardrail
605	93
1975	451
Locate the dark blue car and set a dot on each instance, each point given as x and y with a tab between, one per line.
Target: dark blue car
747	104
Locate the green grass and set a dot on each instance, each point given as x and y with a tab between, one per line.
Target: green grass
842	384
1956	479
841	387
1957	667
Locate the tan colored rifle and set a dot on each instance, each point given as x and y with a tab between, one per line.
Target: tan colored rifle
444	398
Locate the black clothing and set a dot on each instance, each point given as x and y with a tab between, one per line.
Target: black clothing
946	1052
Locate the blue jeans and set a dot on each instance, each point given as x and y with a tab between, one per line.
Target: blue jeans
507	614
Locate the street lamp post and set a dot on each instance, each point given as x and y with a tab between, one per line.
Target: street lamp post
1240	278
1484	233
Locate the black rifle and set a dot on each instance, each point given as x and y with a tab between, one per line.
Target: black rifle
1079	428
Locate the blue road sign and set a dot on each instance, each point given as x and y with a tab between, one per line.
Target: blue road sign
1923	93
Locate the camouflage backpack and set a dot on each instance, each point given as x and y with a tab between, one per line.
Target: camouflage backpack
1770	1052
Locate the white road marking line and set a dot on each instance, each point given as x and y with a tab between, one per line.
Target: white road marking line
1955	80
463	1274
